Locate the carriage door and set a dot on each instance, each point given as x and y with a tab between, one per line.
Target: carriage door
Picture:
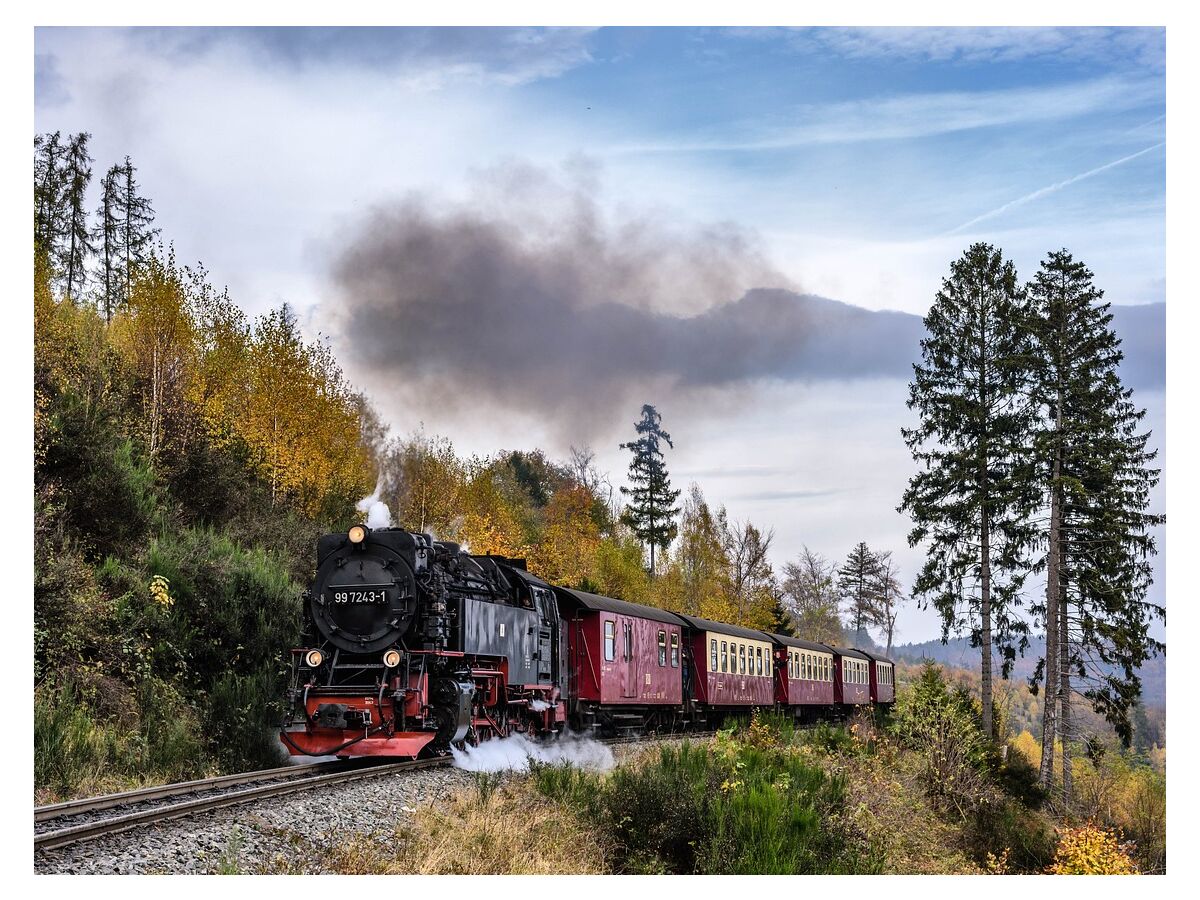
629	685
547	669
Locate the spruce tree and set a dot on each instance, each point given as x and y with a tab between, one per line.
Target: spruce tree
972	497
76	245
48	192
889	596
1096	478
135	234
781	619
858	587
107	236
651	511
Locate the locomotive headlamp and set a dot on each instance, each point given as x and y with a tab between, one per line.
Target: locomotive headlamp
391	659
358	534
313	658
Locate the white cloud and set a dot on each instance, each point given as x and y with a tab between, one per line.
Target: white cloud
1135	46
918	115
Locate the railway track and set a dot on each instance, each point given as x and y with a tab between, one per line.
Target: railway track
67	823
61	824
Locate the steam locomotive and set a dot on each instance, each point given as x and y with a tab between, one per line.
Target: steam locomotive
412	645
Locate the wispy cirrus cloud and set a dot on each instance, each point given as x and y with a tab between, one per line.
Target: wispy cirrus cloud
1133	46
919	115
1053	188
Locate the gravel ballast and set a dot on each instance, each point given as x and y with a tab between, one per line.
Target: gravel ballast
281	834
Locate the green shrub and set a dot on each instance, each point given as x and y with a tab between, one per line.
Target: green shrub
831	739
748	805
945	728
1001	826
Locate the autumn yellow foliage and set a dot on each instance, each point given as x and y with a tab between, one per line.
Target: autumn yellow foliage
1091	850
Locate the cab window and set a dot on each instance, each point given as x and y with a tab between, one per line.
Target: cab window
662	648
610	641
674	651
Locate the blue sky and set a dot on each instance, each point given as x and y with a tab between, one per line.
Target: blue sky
853	164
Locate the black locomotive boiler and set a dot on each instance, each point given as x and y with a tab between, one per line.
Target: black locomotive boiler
412	644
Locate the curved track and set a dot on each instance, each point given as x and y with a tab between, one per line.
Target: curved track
82	820
61	824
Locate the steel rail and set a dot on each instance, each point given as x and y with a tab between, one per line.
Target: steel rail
49	840
175	789
343	770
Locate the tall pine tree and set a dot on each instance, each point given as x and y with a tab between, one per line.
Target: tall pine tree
48	192
76	243
1096	480
135	216
651	511
858	587
972	497
107	235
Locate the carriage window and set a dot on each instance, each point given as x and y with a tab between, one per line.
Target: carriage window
610	640
829	668
758	656
712	652
662	648
628	641
724	657
674	651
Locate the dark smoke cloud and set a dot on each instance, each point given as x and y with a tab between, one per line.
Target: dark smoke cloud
530	300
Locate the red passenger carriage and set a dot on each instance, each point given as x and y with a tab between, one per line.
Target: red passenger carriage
883	678
851	677
803	672
734	665
623	656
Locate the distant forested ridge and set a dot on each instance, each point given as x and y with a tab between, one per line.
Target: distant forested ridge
959	653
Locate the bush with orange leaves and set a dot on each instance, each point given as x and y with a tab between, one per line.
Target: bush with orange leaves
1091	850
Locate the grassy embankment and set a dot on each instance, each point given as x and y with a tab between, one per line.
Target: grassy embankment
920	793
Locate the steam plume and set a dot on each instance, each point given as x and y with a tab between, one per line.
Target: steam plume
530	298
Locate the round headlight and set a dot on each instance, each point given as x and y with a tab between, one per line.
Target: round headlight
313	658
358	534
391	658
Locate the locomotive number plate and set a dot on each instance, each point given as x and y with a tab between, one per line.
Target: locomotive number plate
361	593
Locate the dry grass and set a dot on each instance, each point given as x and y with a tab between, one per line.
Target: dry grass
886	802
506	830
